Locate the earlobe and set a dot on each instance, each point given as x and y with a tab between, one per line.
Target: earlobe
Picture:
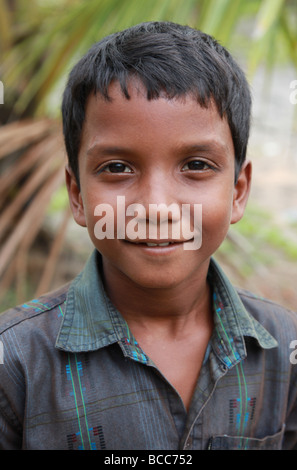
241	192
75	199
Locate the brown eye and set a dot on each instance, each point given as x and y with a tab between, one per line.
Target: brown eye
116	167
196	165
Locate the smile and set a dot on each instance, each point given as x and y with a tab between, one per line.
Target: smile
158	244
170	220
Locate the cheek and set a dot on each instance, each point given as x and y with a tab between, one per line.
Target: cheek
216	217
102	222
105	220
216	222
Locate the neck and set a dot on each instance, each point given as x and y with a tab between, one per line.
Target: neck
173	309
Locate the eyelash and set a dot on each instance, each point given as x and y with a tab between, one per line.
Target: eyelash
105	167
200	162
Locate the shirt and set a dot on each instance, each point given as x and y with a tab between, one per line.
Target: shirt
74	377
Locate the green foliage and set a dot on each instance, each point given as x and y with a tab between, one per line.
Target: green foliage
258	226
257	239
59	200
40	43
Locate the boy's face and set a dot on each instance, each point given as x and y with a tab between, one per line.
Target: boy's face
156	152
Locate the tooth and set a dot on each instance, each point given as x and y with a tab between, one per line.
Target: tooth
158	244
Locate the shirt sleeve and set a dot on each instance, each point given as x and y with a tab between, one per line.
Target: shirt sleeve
12	398
10	428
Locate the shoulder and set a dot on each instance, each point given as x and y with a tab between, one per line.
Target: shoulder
280	321
34	313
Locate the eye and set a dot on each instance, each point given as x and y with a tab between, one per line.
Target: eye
196	165
115	167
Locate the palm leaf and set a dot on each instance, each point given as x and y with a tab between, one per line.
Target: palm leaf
39	44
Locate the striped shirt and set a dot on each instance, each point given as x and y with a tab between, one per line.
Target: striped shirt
74	377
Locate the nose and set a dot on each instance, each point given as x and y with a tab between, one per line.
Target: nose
159	197
158	210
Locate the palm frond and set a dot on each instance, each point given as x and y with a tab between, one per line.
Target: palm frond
39	44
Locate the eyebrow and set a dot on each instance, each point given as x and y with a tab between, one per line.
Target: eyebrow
211	146
106	150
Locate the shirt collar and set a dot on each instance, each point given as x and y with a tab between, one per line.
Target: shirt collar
90	321
232	321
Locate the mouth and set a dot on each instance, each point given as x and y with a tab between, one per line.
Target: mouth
158	244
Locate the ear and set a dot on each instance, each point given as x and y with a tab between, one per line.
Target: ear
75	199
241	192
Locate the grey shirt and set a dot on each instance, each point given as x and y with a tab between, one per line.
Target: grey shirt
74	377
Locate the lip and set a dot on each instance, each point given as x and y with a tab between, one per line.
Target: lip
159	249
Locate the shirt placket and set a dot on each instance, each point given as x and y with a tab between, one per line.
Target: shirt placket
194	438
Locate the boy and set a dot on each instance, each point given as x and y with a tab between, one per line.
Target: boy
151	347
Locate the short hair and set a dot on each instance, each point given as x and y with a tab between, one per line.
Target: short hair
166	57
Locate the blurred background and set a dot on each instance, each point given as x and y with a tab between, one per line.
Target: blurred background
40	246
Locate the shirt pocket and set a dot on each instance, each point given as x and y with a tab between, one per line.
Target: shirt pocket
272	442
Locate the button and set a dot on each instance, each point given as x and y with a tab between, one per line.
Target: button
188	443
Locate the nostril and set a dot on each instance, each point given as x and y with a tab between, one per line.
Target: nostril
160	213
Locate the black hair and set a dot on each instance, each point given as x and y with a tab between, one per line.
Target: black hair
166	57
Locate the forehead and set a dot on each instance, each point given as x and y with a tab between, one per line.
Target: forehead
137	121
